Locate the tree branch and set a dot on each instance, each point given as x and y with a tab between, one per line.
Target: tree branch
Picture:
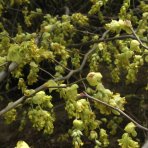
115	108
80	68
44	87
3	74
23	98
46	72
138	39
105	40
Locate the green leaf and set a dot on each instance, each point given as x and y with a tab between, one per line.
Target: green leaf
50	84
13	54
22	144
130	128
94	78
127	142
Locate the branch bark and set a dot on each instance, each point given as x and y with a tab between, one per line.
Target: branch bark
3	74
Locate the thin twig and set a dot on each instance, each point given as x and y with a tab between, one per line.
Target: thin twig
104	40
115	108
8	91
46	72
81	80
80	68
104	34
61	64
138	39
3	64
85	32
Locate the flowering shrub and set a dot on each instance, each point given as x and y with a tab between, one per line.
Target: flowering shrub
75	52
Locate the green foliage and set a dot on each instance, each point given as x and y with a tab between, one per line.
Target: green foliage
94	78
117	26
41	99
127	142
104	94
52	44
79	19
10	116
41	120
22	144
130	128
77	142
103	138
95	8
